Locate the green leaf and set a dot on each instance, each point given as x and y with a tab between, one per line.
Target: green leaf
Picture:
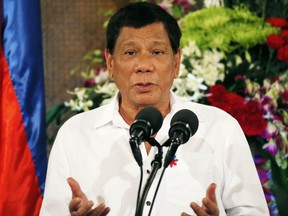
55	113
280	188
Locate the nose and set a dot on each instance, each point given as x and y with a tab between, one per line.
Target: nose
143	64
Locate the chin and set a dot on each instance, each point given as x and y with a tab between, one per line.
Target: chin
146	101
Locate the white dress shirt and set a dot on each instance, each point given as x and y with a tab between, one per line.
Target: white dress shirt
93	147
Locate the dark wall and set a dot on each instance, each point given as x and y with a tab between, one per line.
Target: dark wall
70	29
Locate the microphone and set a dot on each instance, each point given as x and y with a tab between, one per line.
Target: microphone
148	122
183	125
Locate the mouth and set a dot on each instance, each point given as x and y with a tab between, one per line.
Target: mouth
144	84
144	87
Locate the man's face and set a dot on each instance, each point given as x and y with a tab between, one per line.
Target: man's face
143	66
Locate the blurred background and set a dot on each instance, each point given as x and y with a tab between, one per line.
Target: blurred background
70	29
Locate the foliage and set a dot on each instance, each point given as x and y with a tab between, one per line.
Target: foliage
224	29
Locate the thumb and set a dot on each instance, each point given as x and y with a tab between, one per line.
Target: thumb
210	192
75	188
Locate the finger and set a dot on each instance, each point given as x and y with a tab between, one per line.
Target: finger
100	210
75	188
198	210
210	192
210	201
185	214
210	207
81	209
105	212
74	204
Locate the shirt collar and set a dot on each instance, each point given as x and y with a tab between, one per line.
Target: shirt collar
110	112
178	103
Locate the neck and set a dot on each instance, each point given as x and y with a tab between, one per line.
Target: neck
129	113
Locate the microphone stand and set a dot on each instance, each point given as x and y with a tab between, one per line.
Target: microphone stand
156	165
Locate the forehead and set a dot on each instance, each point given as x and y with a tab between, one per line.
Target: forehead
155	32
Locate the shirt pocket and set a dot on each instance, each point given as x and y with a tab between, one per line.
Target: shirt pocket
188	180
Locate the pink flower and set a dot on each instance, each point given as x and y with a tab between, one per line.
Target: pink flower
271	147
184	3
240	77
269	132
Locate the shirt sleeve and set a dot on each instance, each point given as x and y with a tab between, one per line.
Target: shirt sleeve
242	193
57	194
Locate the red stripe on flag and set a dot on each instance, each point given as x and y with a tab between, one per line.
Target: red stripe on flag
19	189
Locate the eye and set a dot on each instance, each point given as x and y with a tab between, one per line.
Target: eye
157	52
130	52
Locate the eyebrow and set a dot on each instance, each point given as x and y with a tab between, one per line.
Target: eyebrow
131	43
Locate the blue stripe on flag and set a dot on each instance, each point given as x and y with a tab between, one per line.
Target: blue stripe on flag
22	45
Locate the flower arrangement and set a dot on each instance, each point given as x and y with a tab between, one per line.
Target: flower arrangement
234	59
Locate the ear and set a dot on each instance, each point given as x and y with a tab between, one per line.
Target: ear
109	62
177	61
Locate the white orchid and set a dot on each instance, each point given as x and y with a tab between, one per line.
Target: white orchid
102	76
213	3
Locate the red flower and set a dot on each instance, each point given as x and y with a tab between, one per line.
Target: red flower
235	99
284	95
234	102
216	93
253	124
89	82
274	41
219	97
277	22
284	34
249	115
254	107
282	53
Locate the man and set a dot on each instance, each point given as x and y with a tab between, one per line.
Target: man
214	172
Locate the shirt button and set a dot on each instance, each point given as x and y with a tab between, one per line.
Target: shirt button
148	171
148	203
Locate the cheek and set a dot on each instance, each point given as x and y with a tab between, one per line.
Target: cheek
169	73
121	80
119	70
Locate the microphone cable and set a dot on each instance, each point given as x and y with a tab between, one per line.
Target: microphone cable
139	188
148	184
183	125
156	191
156	165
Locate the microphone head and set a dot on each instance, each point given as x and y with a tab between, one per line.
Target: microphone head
184	121
149	119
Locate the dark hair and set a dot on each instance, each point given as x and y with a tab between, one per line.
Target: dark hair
140	14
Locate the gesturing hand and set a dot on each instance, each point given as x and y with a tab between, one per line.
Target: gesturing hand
80	205
209	204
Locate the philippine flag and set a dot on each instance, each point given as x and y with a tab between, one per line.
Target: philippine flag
23	158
